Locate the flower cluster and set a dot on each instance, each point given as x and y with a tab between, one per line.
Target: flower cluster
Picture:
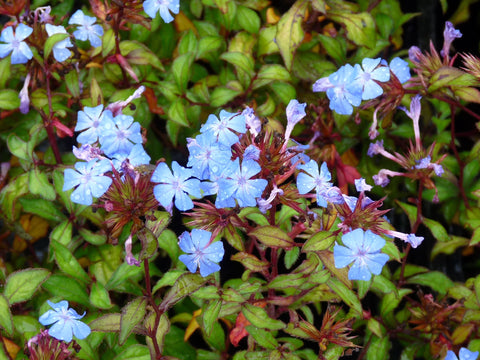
108	140
349	85
211	169
417	162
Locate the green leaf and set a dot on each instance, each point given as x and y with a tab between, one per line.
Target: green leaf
106	323
449	247
91	237
347	295
248	19
73	85
222	94
322	240
149	243
19	148
270	73
272	236
262	337
181	69
239	60
38	184
188	43
438	231
285	92
360	27
163	327
132	314
66	288
168	279
258	317
9	99
289	31
43	208
10	194
434	279
335	47
184	286
177	113
208	44
21	285
448	76
266	41
251	262
99	296
6	319
410	210
134	352
378	348
210	315
50	43
291	256
391	300
67	262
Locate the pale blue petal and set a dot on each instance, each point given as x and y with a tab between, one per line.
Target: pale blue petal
80	330
466	354
215	252
371	91
208	267
71	179
82	195
359	271
7	35
451	355
185	242
162	174
375	262
165	14
372	242
100	185
62	330
183	201
164	194
49	317
342	256
190	262
5	49
305	183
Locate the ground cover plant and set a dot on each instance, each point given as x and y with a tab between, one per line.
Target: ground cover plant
244	179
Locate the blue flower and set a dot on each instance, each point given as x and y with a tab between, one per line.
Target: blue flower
221	129
203	254
464	354
313	179
426	163
89	179
345	91
369	75
151	7
66	322
400	69
239	185
87	29
177	185
363	249
122	137
136	157
95	121
21	53
60	51
207	155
